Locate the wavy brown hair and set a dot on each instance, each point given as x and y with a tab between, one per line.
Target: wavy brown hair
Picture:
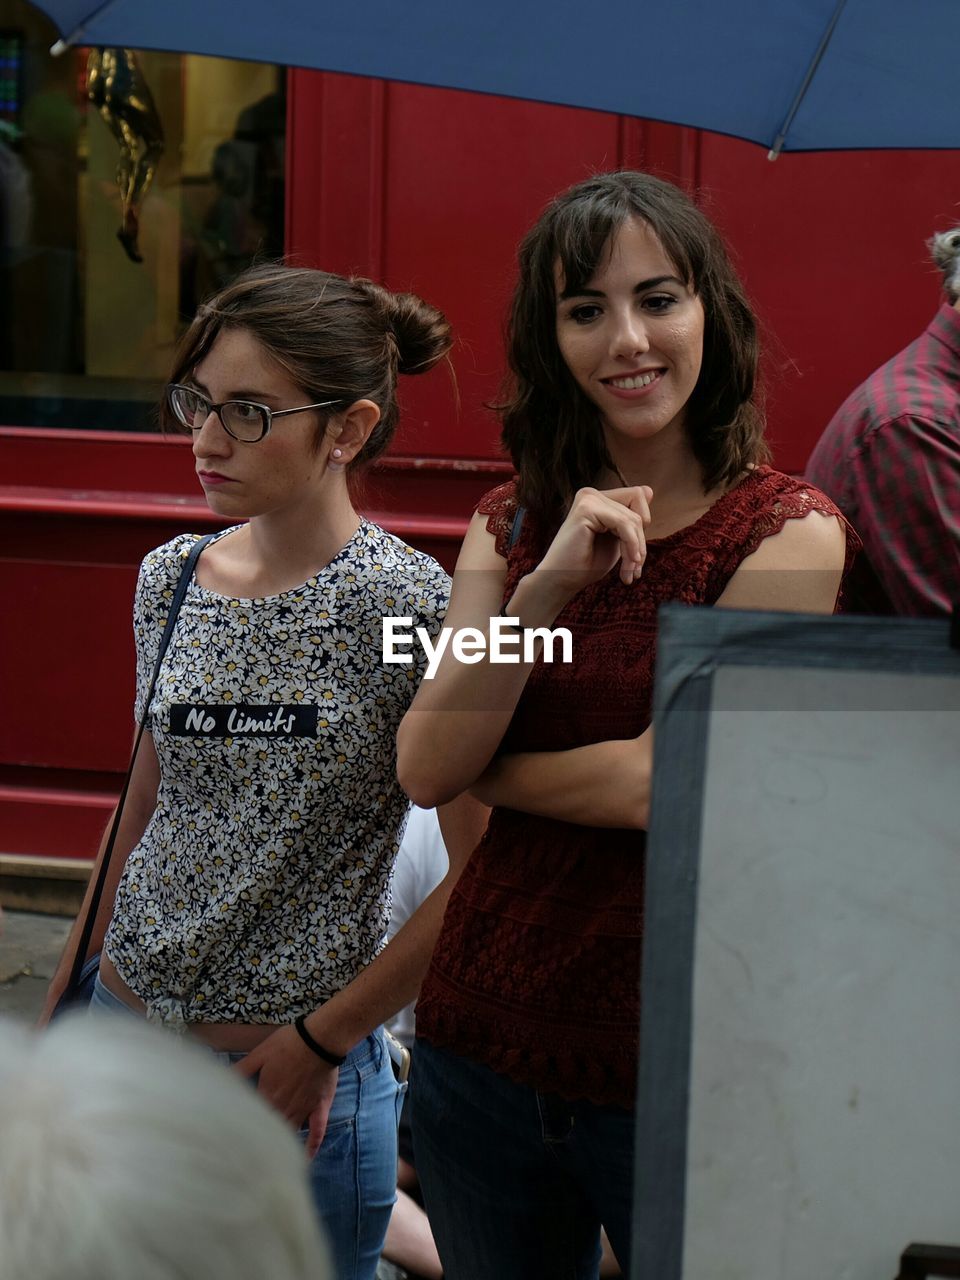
550	428
337	338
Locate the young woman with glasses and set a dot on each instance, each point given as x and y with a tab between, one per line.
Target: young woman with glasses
250	892
641	472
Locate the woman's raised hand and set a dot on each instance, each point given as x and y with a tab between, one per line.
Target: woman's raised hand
602	527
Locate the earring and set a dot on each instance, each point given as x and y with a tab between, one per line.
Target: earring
335	466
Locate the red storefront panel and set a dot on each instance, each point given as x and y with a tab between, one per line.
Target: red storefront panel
832	250
427	190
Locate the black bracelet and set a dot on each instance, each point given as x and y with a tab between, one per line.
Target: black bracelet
334	1059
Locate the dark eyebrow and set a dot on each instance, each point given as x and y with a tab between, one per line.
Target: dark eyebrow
642	287
255	397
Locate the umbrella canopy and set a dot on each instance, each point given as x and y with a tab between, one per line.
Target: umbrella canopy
792	75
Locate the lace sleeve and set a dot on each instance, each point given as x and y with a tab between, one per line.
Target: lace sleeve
759	510
794	506
500	507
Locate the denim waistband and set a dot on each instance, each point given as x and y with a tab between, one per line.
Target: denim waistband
104	1001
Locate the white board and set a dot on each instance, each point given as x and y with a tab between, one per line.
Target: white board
815	887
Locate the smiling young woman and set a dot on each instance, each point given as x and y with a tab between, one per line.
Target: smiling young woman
632	338
641	478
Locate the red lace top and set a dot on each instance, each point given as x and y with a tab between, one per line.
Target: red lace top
536	972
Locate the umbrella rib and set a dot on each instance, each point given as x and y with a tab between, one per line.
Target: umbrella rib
811	72
66	42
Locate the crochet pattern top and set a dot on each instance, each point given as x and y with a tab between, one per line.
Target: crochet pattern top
536	972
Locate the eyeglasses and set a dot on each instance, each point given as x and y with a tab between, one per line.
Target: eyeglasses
244	420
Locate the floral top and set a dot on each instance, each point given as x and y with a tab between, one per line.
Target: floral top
261	885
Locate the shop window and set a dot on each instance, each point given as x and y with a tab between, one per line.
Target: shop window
132	184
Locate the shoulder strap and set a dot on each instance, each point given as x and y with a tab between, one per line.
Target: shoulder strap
183	582
516	527
186	573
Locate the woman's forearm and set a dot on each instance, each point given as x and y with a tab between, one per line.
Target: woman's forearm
388	983
606	784
393	978
457	721
140	804
458	718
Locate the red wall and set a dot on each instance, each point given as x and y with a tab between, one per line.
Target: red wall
428	190
832	248
431	189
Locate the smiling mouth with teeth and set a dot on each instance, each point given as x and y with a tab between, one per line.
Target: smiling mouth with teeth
634	384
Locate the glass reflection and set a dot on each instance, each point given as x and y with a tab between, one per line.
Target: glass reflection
131	185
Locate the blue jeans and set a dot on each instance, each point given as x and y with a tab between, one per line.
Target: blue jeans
354	1174
517	1182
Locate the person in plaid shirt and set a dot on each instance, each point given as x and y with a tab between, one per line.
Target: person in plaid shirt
890	459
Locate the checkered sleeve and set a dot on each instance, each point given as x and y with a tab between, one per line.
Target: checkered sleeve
908	485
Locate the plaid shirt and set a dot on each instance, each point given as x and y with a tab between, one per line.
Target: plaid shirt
890	460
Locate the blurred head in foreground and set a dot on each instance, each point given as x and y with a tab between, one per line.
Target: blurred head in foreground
126	1153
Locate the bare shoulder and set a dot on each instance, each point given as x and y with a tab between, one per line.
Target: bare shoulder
816	540
478	578
797	569
479	549
228	550
223	563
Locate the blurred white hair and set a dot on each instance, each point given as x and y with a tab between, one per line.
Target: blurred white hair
125	1153
945	249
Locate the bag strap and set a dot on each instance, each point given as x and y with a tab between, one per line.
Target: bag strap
186	573
516	527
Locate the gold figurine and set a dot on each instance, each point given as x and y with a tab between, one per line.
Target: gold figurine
117	88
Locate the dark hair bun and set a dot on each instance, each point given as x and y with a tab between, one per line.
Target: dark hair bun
421	332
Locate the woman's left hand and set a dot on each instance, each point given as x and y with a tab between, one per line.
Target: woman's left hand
294	1082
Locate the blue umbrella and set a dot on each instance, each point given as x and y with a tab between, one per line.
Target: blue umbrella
792	75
